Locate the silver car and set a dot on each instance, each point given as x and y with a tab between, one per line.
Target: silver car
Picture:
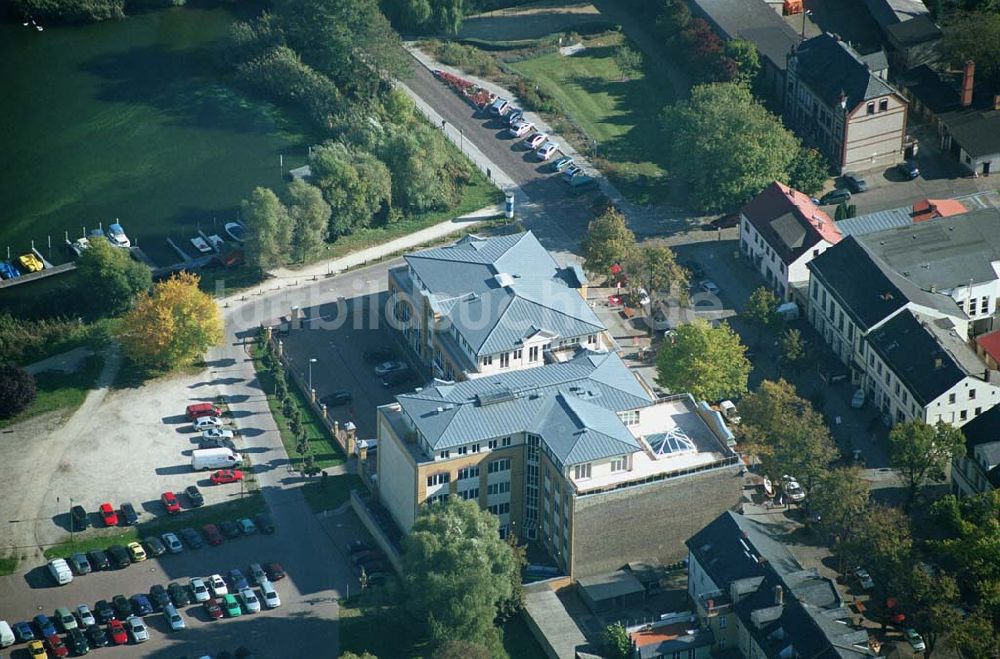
172	542
137	628
174	618
200	590
250	601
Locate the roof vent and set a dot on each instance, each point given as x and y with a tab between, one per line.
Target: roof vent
501	395
439	410
504	279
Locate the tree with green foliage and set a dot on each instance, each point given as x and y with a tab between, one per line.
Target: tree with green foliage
457	573
761	310
457	649
654	266
726	145
808	171
608	242
269	230
972	528
793	349
171	327
17	390
425	174
70	11
310	216
931	596
708	362
883	542
744	53
109	279
786	433
356	184
617	642
673	17
628	60
974	35
840	497
976	636
920	451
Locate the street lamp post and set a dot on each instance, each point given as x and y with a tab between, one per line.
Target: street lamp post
312	361
72	522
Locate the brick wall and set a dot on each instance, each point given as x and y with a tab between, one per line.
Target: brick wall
649	522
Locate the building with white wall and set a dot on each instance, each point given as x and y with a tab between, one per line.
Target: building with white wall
978	471
781	230
490	305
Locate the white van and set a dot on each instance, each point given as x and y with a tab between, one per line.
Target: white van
60	571
271	599
214	458
6	634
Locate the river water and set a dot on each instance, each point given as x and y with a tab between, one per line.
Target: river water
129	120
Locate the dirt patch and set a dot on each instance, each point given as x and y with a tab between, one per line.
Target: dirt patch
529	22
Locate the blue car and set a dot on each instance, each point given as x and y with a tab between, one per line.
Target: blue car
142	605
237	581
8	271
23	632
45	626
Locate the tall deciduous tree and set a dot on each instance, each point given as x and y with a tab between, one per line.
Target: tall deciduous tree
109	279
808	171
457	572
309	215
841	499
355	184
786	433
269	229
708	362
793	348
974	36
761	310
726	145
608	242
172	327
972	525
654	266
744	54
17	390
617	643
883	541
628	60
921	451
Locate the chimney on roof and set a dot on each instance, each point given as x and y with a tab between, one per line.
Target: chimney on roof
779	595
938	363
968	80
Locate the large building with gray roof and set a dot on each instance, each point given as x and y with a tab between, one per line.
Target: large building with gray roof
489	305
579	455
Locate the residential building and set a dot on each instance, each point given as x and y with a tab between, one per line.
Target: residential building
836	103
781	230
988	348
965	116
758	601
756	22
579	455
490	305
672	637
978	471
909	30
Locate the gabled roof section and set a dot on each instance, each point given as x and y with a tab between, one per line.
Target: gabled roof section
982	436
990	343
754	21
831	67
789	221
573	405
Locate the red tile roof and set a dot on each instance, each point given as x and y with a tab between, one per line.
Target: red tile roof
779	202
928	209
990	343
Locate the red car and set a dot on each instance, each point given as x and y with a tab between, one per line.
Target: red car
171	503
116	630
227	476
212	534
213	609
198	410
56	646
109	515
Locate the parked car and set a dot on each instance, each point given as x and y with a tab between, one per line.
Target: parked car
571	171
560	164
499	107
535	140
269	594
545	151
230	529
218	433
55	645
123	608
378	355
864	579
154	547
173	618
909	169
207	423
388	367
249	600
198	410
520	127
119	556
264	523
217	443
37	650
44	625
98	559
858	399
104	611
212	534
336	399
231	606
172	542
513	116
137	628
60	571
158	594
23	632
582	183
129	516
136	552
792	489
212	608
79	564
855	183
77	642
116	630
97	637
835	196
65	618
224	476
708	286
218	585
79	519
247	527
199	589
141	604
397	377
108	514
178	594
236	580
85	615
274	571
915	640
192	538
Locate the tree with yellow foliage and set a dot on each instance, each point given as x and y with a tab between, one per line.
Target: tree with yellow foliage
173	326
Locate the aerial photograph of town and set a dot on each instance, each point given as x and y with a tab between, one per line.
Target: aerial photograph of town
500	329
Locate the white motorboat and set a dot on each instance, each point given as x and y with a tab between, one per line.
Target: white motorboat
201	245
236	231
116	234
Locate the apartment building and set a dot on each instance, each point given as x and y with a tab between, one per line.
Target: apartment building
978	471
758	601
490	305
781	230
579	455
836	103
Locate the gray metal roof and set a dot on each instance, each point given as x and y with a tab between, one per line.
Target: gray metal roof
878	221
943	253
754	21
572	405
890	12
499	291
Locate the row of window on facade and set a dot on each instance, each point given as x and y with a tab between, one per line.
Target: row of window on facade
476	448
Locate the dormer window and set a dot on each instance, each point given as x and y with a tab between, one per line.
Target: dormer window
871	107
883	105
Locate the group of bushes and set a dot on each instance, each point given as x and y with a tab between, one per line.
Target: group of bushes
85	11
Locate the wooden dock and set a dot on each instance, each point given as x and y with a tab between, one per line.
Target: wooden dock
41	274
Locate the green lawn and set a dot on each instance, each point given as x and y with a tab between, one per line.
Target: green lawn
61	391
323	447
7	565
622	116
331	492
